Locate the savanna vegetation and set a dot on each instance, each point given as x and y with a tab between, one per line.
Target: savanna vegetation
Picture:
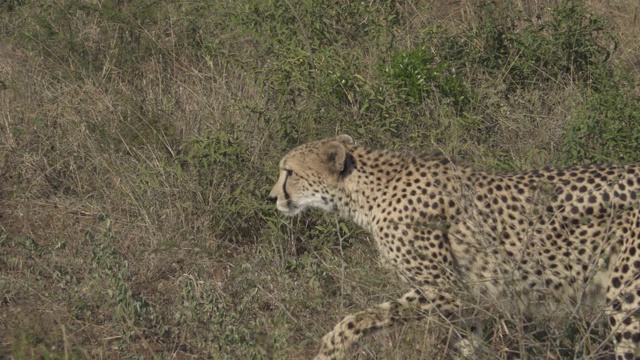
139	140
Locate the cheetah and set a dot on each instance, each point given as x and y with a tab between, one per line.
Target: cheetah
563	236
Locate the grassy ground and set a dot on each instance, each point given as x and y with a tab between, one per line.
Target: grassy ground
139	139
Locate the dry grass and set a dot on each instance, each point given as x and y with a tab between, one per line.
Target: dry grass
137	146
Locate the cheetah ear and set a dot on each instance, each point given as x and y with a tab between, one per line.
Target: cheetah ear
334	155
345	139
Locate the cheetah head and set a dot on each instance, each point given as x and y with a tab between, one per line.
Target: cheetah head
310	175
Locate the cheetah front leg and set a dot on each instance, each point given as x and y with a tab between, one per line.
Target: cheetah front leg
412	305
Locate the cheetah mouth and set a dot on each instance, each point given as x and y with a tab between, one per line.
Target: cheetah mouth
289	208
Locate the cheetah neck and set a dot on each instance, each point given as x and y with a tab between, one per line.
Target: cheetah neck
362	190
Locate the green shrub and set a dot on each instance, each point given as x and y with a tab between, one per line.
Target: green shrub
606	128
567	43
418	75
227	189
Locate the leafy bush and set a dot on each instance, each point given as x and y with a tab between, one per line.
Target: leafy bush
219	162
566	44
419	76
605	128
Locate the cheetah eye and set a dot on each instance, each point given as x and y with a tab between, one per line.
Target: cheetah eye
289	172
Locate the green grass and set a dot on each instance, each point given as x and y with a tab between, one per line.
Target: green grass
139	140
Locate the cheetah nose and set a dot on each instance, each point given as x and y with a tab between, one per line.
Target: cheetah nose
272	198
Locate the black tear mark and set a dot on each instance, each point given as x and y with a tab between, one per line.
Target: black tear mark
284	186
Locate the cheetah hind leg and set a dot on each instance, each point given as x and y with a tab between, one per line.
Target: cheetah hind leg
624	300
412	305
625	321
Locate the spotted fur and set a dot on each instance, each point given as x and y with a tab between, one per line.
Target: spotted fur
553	237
